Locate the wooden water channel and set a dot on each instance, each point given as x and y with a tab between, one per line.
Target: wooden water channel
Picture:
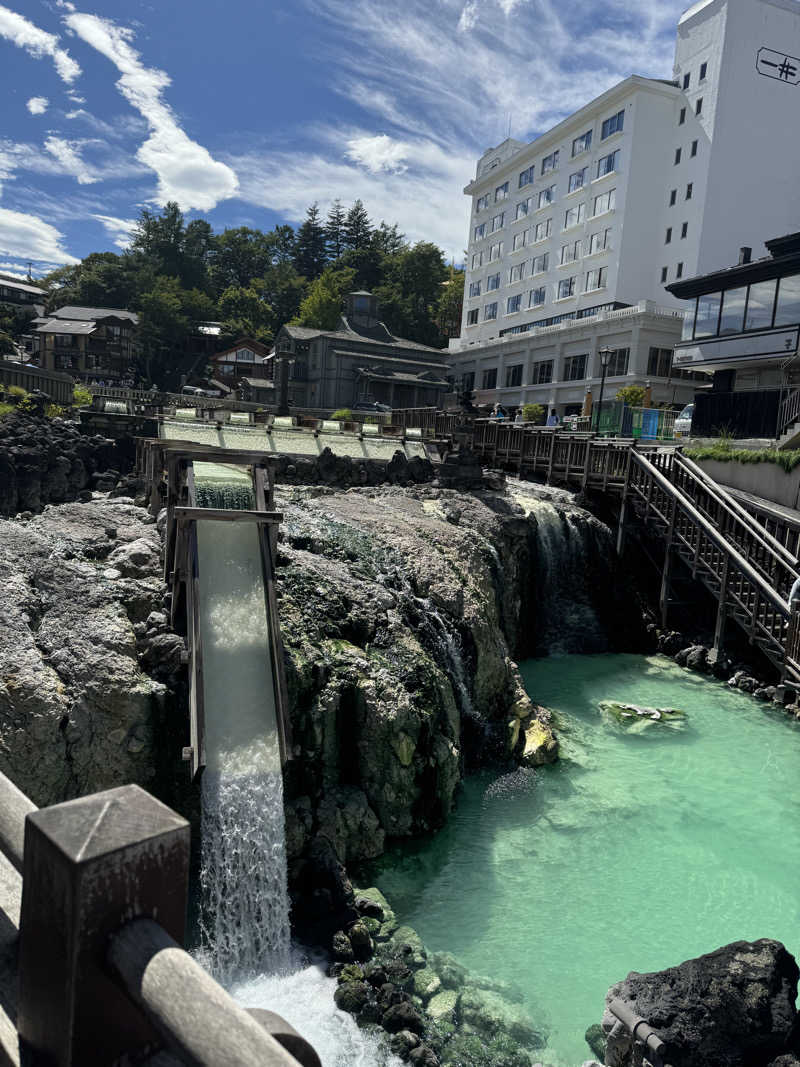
747	569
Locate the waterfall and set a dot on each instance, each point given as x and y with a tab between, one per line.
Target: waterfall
244	907
566	578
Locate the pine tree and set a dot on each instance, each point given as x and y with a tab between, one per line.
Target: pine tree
357	227
334	230
388	239
310	253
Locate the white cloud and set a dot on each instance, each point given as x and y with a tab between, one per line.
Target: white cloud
30	237
37	105
66	153
468	17
378	153
37	43
186	171
76	98
120	229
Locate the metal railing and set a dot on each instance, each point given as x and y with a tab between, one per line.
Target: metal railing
652	1044
101	972
789	412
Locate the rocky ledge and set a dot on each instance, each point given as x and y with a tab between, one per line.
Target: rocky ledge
88	665
436	1011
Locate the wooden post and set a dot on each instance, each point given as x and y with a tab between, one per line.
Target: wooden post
90	866
663	600
719	629
552	455
623	510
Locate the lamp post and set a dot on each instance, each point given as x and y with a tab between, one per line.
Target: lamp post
605	355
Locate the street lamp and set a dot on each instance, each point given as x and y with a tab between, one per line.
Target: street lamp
605	354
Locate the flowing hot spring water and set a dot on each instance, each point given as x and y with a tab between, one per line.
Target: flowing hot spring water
645	845
244	905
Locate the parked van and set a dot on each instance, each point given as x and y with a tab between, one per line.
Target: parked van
683	423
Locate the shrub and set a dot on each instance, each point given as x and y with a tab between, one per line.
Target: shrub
81	396
17	391
724	453
53	411
343	415
533	412
632	395
5	409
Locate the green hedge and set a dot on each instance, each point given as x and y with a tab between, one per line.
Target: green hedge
725	454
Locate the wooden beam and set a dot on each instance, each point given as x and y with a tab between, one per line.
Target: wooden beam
186	514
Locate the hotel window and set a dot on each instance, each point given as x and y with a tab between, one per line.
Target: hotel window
542	372
474	288
787	310
600	241
523	207
575	368
731	318
536	297
520	240
689	191
566	287
580	144
540	263
513	304
596	279
679	271
480	231
496	251
673	196
760	304
469	381
477	260
490	311
574	216
498	221
604	202
550	162
612	125
703	71
472	317
517	273
501	192
546	196
543	230
664	271
698	105
707	315
526	176
686	80
514	376
682	116
492	282
694	148
677	156
490	378
570	252
607	164
659	362
482	202
578	179
684	229
617	363
668	237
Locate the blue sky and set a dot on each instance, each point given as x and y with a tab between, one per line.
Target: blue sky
246	111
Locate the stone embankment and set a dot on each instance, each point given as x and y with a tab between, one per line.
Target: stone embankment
49	461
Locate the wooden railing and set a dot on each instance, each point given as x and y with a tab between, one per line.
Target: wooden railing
93	968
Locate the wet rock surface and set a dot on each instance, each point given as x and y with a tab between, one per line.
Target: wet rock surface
437	1011
80	611
731	1007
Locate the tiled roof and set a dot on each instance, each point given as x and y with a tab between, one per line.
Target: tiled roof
303	333
72	312
66	326
23	286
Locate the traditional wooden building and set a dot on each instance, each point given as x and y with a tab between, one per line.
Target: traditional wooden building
245	359
87	341
360	360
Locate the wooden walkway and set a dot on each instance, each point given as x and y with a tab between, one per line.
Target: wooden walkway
747	570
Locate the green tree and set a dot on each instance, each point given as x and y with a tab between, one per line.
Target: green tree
7	346
357	230
245	313
161	238
310	253
282	289
368	265
632	395
322	306
282	244
410	293
450	305
334	230
388	239
533	413
239	255
167	315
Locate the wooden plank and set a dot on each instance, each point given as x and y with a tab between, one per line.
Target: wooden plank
183	514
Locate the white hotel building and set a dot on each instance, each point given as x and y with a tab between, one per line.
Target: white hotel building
574	235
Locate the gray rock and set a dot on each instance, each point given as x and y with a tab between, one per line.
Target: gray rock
488	1013
403	1016
341	948
352	996
733	1006
403	1042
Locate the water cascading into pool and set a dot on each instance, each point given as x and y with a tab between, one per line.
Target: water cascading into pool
569	544
244	910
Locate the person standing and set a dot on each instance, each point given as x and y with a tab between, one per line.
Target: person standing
552	418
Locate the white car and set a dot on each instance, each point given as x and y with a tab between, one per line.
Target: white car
683	423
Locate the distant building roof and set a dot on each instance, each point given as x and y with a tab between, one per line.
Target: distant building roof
69	311
210	329
70	326
24	287
377	335
245	342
